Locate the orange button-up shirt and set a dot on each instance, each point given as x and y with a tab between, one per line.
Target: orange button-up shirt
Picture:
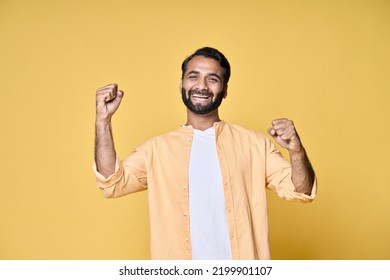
249	163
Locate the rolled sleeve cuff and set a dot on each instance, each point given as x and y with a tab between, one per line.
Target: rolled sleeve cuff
304	197
103	182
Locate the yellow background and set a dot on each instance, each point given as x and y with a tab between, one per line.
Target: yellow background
324	64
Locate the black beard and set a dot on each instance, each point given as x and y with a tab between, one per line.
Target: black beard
197	108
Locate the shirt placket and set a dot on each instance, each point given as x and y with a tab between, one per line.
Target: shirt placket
227	188
185	184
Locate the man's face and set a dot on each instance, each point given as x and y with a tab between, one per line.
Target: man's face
202	86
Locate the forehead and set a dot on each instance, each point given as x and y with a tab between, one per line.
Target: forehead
204	64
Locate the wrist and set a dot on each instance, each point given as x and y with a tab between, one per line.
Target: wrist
298	154
103	121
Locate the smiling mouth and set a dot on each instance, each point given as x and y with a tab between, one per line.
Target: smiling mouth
201	96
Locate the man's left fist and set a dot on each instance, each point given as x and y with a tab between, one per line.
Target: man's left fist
284	132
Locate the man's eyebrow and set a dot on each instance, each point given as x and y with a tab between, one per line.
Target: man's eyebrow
193	72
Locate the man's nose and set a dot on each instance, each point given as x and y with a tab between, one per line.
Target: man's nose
202	84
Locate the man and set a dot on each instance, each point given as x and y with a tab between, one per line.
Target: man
206	180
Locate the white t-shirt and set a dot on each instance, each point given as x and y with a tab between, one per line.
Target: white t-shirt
208	222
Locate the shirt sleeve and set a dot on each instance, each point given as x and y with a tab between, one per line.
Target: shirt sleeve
129	176
278	175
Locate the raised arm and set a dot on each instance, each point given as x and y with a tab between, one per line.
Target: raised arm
108	99
284	132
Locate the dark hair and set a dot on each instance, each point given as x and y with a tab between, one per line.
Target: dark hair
210	53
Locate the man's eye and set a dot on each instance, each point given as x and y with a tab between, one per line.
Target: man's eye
191	77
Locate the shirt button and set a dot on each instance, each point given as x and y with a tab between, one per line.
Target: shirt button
185	214
184	187
187	240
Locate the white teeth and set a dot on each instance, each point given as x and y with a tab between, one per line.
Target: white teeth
201	96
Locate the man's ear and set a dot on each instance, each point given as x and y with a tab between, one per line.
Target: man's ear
225	91
181	87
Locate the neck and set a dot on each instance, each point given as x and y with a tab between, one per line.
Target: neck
202	122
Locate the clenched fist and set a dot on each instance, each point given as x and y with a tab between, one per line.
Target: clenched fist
108	99
284	132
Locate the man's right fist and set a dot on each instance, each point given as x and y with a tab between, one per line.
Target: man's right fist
108	99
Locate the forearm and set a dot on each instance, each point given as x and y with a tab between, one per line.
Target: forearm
302	172
105	155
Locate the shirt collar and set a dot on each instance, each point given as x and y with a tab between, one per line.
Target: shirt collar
217	125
